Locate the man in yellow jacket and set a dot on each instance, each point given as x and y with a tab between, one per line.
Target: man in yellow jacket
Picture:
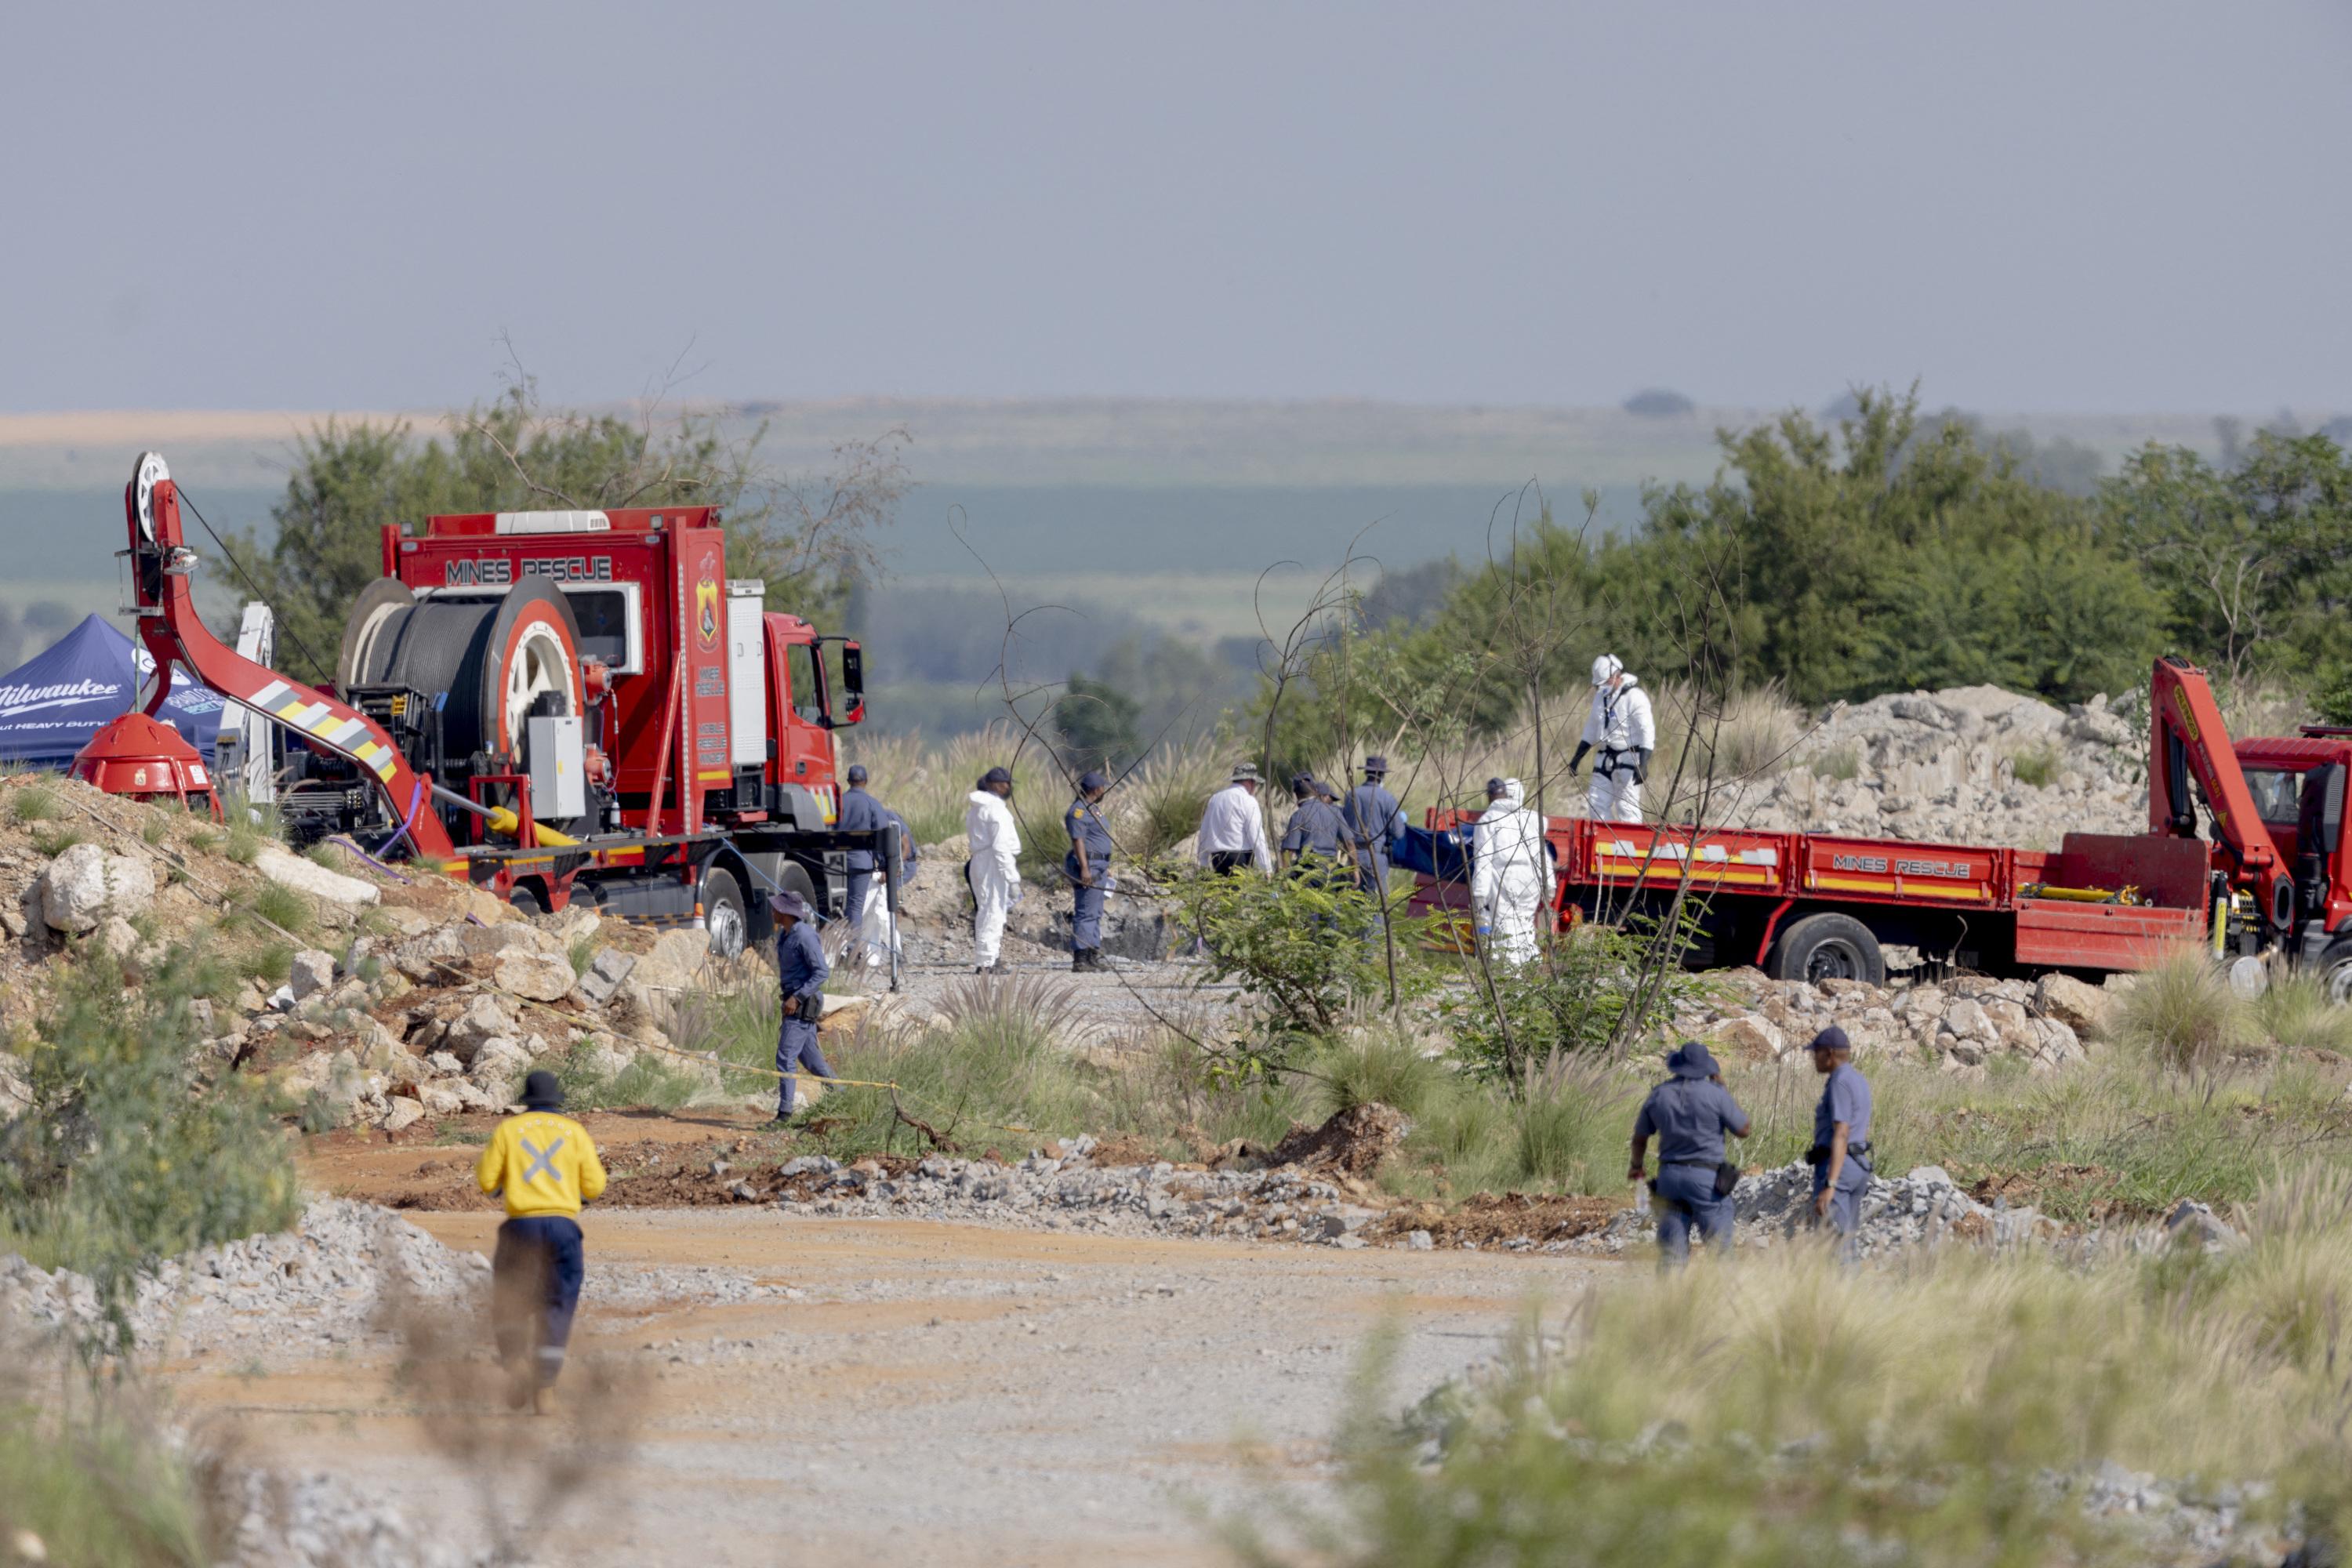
546	1166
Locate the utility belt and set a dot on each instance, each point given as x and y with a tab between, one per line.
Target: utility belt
1612	759
1726	1175
1819	1154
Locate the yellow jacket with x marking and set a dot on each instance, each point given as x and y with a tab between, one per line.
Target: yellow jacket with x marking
543	1163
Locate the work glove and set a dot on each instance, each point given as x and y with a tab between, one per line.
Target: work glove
1577	761
1641	767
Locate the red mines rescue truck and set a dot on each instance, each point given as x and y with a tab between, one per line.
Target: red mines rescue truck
569	704
2268	875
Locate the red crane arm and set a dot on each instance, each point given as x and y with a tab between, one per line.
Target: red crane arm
2188	741
172	629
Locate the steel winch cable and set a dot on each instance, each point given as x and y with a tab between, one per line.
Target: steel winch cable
246	578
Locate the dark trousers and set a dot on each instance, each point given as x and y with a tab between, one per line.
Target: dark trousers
1225	862
853	908
1683	1197
1087	911
535	1291
796	1049
1374	868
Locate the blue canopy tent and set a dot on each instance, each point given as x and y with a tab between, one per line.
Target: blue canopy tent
52	704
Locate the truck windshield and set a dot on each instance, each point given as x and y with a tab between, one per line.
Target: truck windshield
2278	795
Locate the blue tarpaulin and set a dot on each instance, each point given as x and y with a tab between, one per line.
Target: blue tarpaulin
52	704
1444	855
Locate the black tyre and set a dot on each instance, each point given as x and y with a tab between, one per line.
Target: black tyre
2334	969
1827	947
526	899
724	913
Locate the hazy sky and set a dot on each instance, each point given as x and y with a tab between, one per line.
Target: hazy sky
2039	205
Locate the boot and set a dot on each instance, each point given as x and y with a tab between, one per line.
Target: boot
1079	964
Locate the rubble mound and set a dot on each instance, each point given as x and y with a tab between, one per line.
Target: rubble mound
1970	764
1353	1143
1959	1024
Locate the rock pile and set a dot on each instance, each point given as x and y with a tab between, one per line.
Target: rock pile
326	1283
1066	1190
1973	765
1960	1025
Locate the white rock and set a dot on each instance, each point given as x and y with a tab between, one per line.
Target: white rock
403	1112
539	977
309	876
497	1067
487	1017
2072	1002
313	973
85	884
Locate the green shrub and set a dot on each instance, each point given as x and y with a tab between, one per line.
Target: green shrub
125	1158
55	841
279	905
2182	1014
34	802
2297	1014
649	1081
91	1479
1583	994
2036	765
1378	1065
1793	1412
1843	764
155	829
1291	945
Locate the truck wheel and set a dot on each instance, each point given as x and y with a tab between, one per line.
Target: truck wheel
722	912
1827	947
524	898
2333	969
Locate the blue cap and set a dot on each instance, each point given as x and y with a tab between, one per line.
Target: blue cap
1831	1039
1691	1060
1376	764
1091	779
994	776
857	772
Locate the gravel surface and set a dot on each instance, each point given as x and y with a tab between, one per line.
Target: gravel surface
931	1392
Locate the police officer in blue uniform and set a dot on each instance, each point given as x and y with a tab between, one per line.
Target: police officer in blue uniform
1841	1154
801	970
1314	837
860	813
1690	1114
1372	815
1088	866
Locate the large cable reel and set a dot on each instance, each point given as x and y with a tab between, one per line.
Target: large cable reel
489	665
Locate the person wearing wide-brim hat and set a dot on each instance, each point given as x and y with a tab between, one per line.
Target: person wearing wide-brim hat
544	1165
1688	1115
1232	828
1376	819
801	970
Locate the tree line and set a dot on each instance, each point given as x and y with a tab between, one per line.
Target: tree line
1887	549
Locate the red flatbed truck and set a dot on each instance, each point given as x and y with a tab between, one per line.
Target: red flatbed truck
2268	874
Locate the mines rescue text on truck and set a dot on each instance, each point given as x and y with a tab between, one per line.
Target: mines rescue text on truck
561	705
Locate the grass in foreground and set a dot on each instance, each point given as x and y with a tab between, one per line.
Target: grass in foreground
1786	1411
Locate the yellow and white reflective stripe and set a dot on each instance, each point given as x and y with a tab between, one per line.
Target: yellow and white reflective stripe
347	735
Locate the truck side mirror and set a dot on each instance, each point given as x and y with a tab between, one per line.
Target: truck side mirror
853	684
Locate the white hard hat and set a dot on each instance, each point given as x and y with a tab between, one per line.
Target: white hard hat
1607	665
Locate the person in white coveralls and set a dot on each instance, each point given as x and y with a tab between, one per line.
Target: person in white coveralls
1622	729
994	869
1510	873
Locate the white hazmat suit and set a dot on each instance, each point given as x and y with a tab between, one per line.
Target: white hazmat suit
1509	872
1621	732
995	870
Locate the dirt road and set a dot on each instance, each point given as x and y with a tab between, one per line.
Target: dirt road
936	1393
